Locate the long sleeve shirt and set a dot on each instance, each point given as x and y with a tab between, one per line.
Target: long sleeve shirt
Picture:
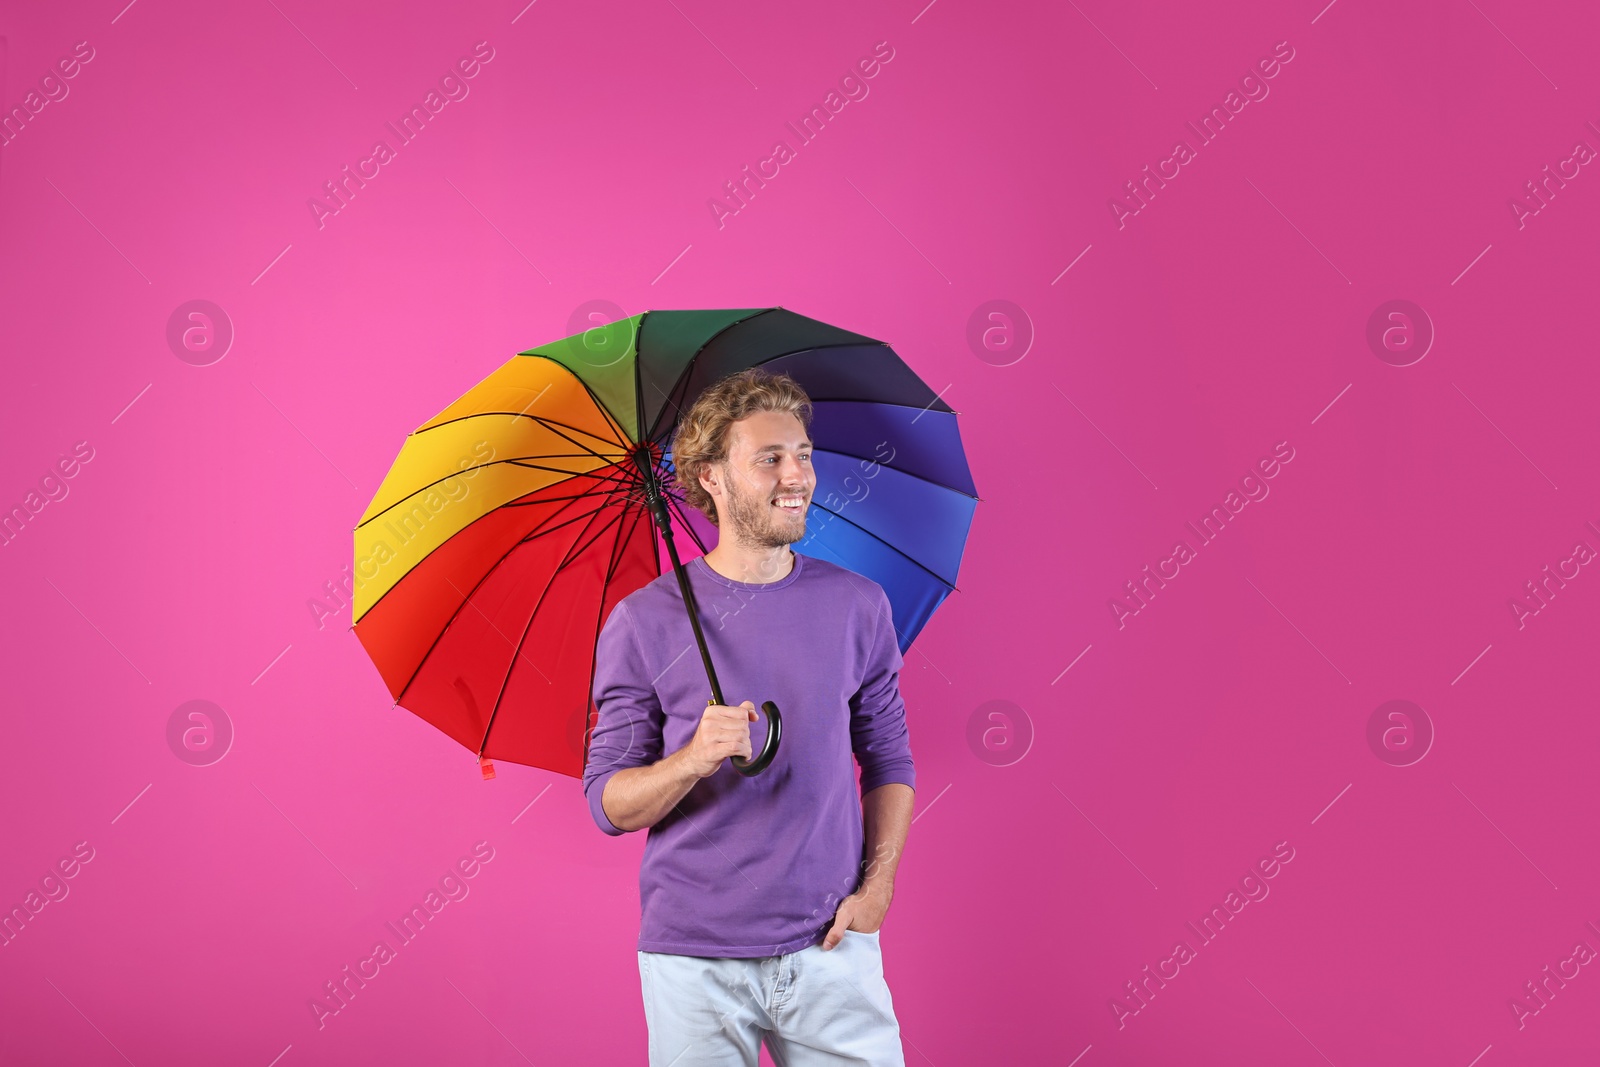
752	866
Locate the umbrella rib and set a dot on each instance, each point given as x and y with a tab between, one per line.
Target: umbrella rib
622	434
612	569
542	529
536	534
563	455
689	366
683	379
619	471
520	461
676	504
600	618
545	500
892	548
598	455
485	577
531	503
885	403
516	650
527	627
603	497
638	376
672	498
621	516
897	470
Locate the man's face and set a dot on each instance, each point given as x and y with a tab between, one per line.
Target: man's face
769	460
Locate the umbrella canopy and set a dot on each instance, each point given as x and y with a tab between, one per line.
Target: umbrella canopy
513	521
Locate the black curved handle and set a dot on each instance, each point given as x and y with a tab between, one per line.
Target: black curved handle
752	767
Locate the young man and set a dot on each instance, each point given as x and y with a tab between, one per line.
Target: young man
762	897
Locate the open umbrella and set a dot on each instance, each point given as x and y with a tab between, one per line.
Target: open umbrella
513	521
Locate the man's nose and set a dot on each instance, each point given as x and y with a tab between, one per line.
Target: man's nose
791	471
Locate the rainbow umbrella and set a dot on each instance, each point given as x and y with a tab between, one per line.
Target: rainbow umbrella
513	521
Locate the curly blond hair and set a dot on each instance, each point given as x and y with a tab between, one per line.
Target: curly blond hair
701	437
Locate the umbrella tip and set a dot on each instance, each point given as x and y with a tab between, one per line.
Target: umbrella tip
487	766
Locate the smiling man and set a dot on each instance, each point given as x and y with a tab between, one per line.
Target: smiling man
762	897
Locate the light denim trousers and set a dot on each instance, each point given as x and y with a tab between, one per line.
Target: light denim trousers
813	1007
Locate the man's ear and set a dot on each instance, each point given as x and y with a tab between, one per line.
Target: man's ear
708	478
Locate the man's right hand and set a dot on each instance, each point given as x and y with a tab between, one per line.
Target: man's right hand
723	731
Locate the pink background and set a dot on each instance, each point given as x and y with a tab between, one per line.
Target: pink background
1230	714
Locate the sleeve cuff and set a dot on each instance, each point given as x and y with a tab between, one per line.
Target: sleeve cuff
597	790
904	773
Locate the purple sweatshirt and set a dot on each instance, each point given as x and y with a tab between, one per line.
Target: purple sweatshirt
746	867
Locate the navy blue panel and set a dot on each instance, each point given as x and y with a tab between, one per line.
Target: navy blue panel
848	372
857	372
668	340
773	333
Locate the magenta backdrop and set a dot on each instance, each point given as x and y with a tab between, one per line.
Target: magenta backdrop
1097	771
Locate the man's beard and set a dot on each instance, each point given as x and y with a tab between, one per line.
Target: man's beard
755	522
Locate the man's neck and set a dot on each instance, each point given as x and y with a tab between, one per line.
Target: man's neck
756	566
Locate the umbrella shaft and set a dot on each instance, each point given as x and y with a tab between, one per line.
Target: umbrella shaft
658	507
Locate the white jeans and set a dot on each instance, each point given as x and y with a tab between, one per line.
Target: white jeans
813	1007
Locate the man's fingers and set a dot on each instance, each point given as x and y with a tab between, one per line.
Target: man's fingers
835	932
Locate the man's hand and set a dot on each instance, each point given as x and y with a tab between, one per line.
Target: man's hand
863	910
723	731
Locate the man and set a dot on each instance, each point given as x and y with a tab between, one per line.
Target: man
762	897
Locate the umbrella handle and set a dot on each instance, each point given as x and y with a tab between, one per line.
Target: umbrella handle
752	767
